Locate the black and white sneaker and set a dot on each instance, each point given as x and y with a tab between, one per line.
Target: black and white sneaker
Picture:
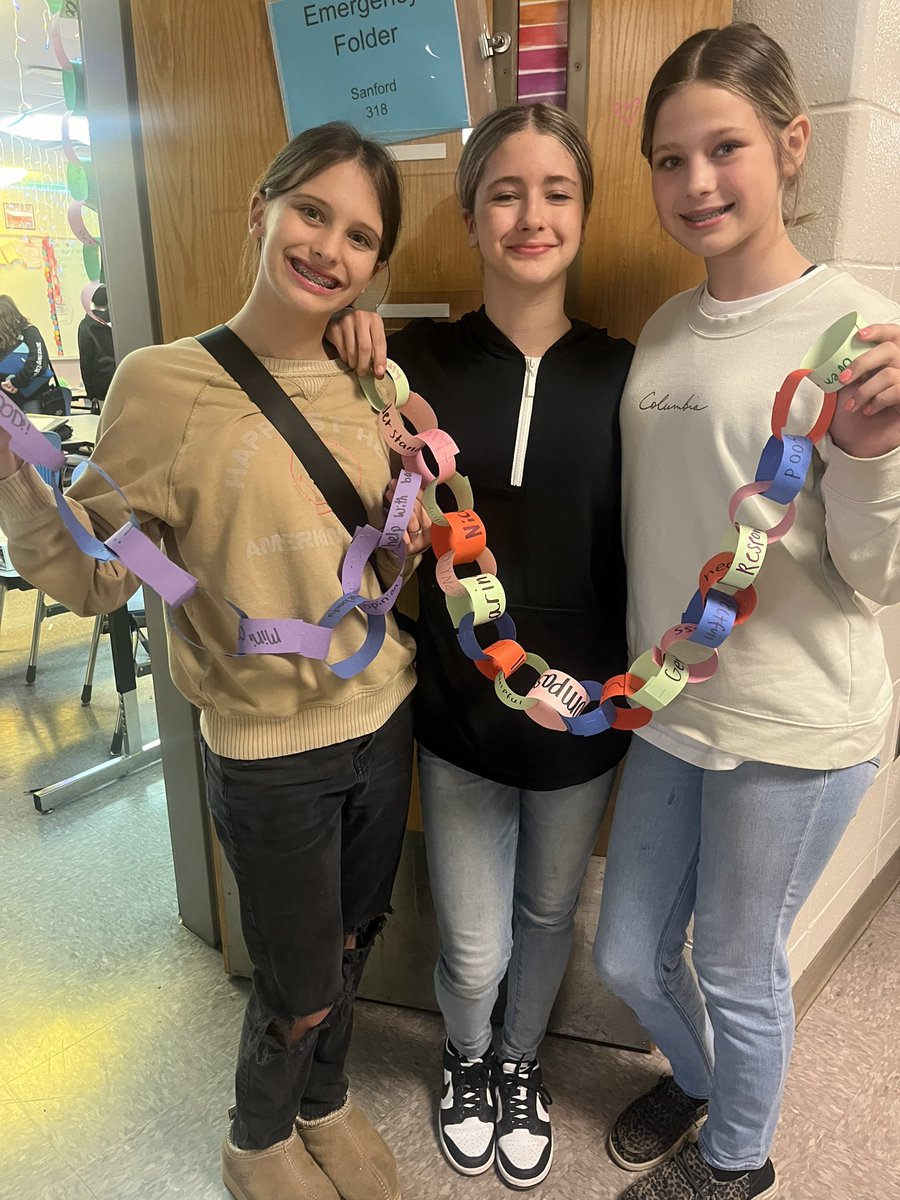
466	1111
524	1137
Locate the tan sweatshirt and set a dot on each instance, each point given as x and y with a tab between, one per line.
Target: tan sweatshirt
205	471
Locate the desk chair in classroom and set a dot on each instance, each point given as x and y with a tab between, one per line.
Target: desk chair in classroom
137	621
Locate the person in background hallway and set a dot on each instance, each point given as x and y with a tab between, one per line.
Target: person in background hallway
26	375
96	356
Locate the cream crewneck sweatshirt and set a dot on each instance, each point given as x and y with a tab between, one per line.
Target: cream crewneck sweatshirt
804	682
205	471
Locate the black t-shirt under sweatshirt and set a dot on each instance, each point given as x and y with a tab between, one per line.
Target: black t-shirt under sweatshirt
556	538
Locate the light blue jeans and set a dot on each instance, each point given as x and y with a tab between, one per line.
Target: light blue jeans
741	850
505	867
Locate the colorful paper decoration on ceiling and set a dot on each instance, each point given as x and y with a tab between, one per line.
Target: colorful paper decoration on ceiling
80	178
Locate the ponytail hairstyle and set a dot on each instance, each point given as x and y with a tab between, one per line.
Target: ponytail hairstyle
741	59
316	150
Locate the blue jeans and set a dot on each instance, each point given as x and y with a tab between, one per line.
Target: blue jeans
505	867
740	850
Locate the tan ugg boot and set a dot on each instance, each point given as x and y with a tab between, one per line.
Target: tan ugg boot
352	1153
284	1171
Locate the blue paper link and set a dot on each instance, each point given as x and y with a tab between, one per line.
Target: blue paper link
368	651
786	463
596	721
503	628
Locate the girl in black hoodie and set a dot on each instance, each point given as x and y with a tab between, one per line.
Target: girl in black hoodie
512	810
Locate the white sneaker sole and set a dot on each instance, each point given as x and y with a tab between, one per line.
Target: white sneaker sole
690	1136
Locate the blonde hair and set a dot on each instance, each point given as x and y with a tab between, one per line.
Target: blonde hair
492	131
742	59
316	150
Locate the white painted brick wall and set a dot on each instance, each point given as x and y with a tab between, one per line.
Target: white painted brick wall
847	57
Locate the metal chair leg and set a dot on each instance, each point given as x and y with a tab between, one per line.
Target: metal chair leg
88	688
118	737
31	670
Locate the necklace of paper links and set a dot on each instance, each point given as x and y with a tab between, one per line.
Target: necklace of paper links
725	597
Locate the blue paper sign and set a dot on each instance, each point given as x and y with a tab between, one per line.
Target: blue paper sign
392	68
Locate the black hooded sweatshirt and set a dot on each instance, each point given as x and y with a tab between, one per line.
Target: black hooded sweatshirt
548	493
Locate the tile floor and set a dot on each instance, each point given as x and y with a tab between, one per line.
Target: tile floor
117	1026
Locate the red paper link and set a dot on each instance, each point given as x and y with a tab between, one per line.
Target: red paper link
782	407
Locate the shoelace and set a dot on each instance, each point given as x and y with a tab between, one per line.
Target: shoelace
682	1164
520	1085
471	1079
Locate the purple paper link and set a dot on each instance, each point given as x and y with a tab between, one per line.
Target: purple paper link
716	621
283	635
596	721
149	563
366	654
364	544
503	627
786	463
85	541
401	510
341	608
26	440
385	602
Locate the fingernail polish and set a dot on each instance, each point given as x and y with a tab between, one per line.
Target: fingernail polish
845	375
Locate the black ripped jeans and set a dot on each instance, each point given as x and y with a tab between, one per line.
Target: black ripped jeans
314	840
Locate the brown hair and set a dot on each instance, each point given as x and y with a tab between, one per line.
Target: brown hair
492	131
741	59
12	323
316	150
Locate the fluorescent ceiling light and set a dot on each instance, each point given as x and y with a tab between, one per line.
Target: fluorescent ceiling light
10	175
45	127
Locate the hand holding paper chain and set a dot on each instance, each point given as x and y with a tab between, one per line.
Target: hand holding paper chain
726	595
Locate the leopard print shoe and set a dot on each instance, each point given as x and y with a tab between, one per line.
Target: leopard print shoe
688	1176
655	1126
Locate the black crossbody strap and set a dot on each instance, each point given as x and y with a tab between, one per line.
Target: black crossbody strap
274	403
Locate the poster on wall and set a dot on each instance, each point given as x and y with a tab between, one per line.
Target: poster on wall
396	69
18	216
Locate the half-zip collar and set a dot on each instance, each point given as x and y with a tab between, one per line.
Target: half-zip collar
480	328
526	404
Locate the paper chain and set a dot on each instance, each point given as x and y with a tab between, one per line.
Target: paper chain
725	598
726	595
175	586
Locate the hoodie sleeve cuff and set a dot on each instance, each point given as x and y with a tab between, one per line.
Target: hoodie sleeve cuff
864	480
23	497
